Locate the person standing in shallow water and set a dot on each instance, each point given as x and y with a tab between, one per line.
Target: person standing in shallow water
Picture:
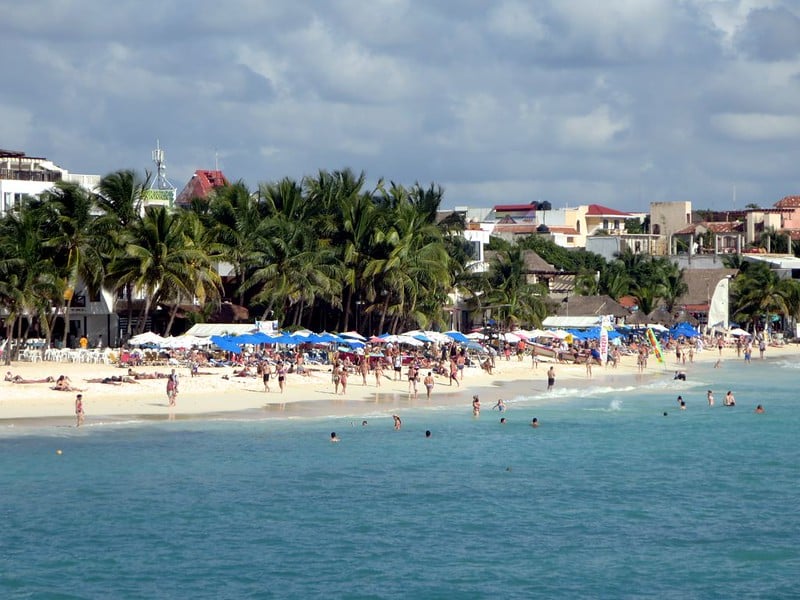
429	383
79	410
476	406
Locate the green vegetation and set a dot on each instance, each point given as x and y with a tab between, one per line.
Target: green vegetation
324	253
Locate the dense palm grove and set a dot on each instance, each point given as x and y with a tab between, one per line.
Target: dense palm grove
325	253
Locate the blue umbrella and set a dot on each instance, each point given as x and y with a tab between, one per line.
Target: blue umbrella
458	337
225	343
330	338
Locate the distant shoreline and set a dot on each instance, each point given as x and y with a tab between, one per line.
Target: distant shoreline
210	397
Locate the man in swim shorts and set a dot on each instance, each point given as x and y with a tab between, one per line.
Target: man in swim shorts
551	378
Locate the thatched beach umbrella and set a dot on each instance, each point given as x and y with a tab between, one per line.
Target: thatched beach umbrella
637	318
684	317
660	315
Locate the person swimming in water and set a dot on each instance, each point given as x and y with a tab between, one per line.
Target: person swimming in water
501	406
759	410
334	437
534	422
398	423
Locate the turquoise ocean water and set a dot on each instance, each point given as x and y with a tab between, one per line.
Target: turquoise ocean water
607	499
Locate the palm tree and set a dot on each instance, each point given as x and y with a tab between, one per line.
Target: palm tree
674	285
201	282
515	300
158	257
29	283
73	240
233	218
119	198
758	292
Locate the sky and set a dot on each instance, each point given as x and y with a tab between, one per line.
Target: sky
619	102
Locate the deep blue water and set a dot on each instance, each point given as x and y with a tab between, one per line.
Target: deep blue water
607	499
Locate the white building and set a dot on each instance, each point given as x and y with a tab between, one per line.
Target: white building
22	175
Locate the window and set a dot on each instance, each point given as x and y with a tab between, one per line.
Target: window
605	223
578	226
616	223
570	240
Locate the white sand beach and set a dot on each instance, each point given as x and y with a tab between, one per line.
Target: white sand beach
220	392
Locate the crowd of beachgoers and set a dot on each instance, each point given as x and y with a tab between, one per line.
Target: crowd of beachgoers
207	381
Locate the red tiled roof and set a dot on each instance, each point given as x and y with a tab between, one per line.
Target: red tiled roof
714	227
202	183
788	202
596	210
514	207
628	301
519	228
563	230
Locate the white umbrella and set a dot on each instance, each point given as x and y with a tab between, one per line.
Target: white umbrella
146	338
739	331
512	338
560	334
353	335
476	335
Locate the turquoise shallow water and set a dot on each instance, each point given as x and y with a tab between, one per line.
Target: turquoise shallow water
607	499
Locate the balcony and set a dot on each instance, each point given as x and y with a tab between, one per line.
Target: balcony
28	175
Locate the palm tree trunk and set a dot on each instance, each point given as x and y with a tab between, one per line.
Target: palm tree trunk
9	333
346	324
383	314
143	316
67	307
129	294
172	314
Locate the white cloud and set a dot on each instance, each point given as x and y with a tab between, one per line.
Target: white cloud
758	127
597	129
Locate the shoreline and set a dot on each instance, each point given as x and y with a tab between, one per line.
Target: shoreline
213	397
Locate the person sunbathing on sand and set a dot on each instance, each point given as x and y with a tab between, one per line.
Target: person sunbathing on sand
19	379
63	384
112	380
135	375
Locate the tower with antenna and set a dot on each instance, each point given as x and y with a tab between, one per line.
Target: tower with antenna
161	192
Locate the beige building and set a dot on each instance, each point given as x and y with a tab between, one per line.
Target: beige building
666	218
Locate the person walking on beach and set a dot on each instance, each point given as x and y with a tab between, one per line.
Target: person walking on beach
343	379
460	362
551	378
762	346
172	387
454	373
281	371
79	415
534	358
364	368
398	365
429	383
335	378
378	372
413	377
266	373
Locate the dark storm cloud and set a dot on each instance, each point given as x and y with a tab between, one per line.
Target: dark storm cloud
771	34
616	102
